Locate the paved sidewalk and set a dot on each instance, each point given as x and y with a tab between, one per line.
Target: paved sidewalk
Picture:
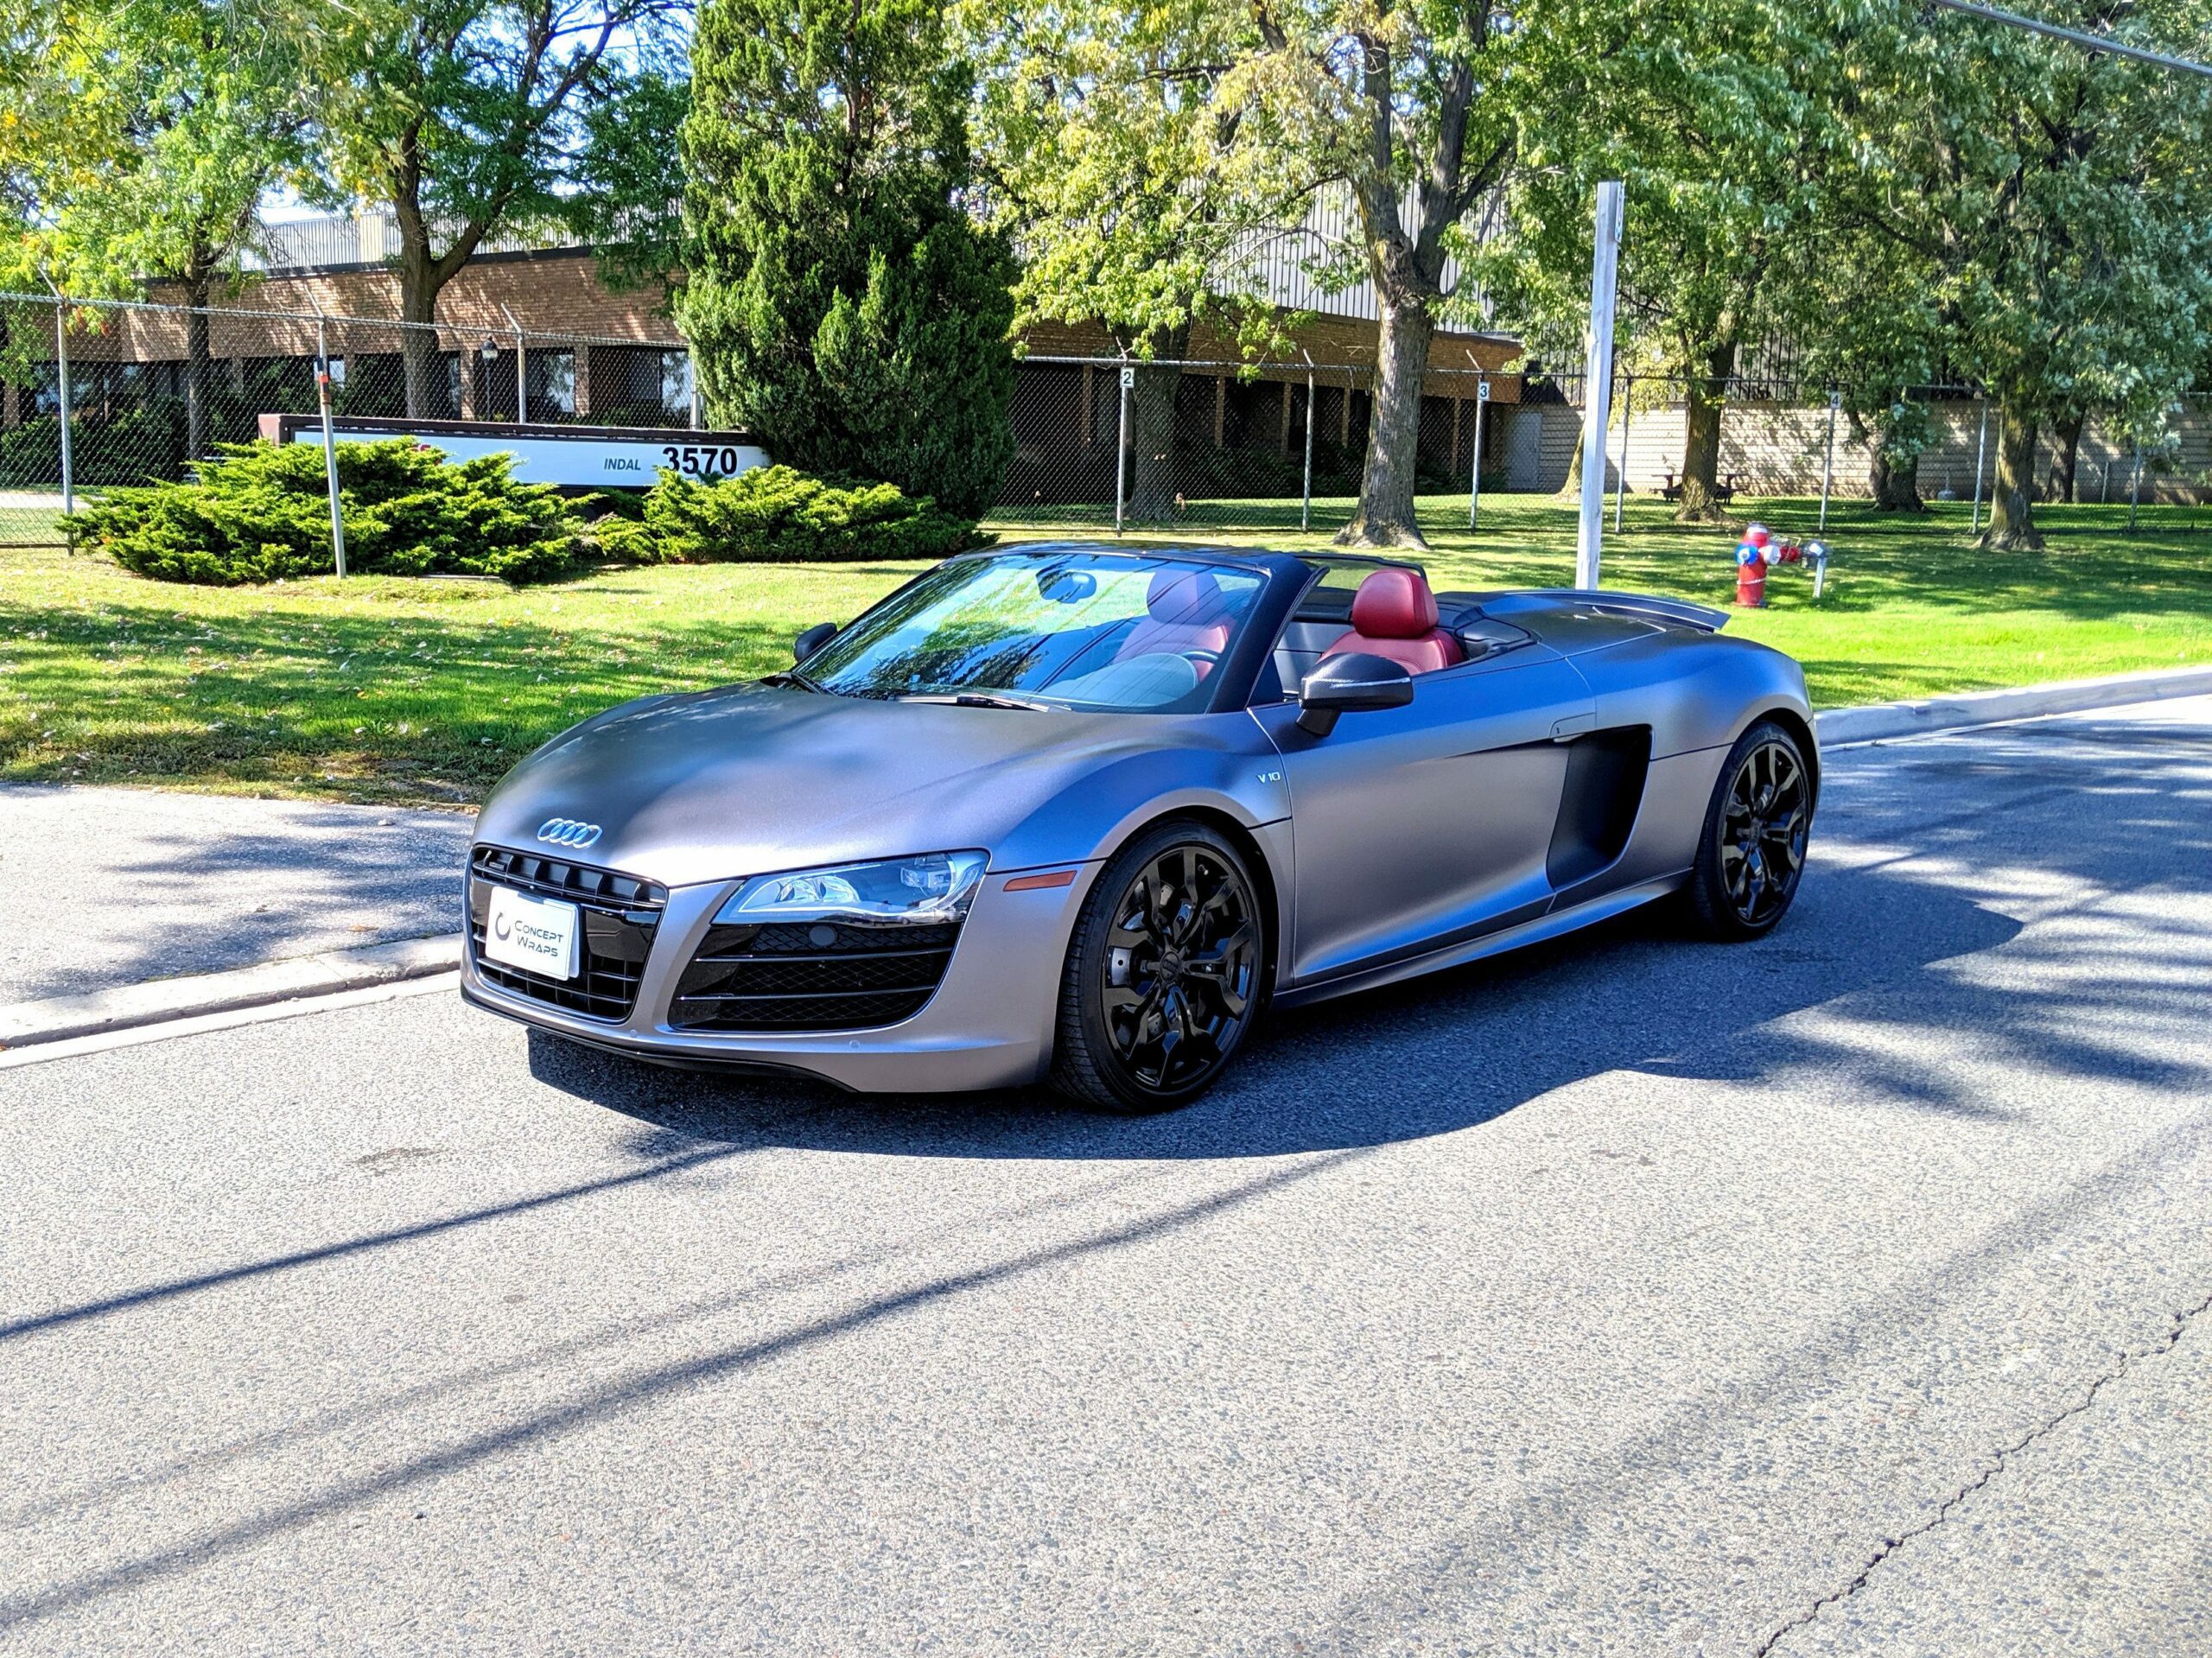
101	887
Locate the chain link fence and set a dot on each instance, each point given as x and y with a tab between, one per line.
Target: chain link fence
1103	444
95	394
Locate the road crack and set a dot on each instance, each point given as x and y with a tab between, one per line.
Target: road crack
2177	1325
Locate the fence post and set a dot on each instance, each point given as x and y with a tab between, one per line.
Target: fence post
522	379
329	445
1620	485
1827	467
1122	446
1305	499
61	386
1981	449
1475	470
2135	486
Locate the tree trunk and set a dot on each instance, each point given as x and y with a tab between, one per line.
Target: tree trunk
1385	518
2012	507
1896	489
198	365
2067	452
419	283
1152	427
1701	502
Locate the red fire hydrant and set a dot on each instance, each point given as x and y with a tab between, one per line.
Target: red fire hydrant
1752	560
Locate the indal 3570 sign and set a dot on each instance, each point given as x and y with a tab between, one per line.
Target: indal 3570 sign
574	457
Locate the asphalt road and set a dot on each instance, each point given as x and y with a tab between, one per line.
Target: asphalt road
1843	1294
100	887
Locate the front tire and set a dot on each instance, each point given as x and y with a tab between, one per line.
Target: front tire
1164	974
1751	852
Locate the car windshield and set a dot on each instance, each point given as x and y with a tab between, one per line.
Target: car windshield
1094	631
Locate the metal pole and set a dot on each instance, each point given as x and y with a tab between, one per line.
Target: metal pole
1122	446
329	444
1475	471
62	384
2135	486
1306	500
1604	265
1620	484
692	368
522	379
1827	472
1980	450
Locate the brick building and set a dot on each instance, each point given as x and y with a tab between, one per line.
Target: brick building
594	353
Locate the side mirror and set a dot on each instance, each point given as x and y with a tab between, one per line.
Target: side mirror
1349	684
812	640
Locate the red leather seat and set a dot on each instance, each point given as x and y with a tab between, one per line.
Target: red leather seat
1184	610
1394	615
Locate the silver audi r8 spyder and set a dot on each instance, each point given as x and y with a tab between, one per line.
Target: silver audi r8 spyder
1079	813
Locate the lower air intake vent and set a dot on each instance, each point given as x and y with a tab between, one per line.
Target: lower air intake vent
797	976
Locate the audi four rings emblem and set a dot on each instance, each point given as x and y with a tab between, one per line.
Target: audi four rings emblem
566	831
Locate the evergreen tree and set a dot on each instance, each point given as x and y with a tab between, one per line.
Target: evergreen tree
842	301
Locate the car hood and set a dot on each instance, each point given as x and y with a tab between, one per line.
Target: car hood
750	779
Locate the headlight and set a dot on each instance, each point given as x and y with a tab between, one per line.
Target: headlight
923	891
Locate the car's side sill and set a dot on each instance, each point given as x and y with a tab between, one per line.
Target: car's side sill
1473	950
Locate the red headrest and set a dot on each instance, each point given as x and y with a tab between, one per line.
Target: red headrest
1394	604
1185	596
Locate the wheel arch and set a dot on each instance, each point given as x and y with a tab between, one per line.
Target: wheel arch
1800	730
1232	830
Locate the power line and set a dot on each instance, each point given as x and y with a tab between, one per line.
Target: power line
2091	42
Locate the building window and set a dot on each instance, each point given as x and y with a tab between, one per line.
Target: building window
552	377
640	385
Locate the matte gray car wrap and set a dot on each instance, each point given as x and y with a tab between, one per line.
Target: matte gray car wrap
1559	776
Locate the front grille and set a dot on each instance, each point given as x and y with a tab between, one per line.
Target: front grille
802	976
621	915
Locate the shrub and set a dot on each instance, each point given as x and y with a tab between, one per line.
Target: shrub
259	512
774	515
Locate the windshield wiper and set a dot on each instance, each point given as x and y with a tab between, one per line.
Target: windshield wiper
791	677
979	700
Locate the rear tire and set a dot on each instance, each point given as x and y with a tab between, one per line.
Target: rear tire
1164	975
1751	850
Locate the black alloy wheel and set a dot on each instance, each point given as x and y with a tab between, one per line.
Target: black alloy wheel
1164	975
1752	853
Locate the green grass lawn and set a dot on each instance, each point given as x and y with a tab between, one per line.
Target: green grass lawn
24	524
389	690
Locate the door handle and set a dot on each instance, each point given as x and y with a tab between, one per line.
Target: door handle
1573	726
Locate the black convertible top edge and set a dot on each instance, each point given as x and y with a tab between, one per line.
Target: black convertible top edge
1682	613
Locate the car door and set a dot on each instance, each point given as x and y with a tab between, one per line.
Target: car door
1415	827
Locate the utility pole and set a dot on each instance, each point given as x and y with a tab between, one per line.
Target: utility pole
1604	271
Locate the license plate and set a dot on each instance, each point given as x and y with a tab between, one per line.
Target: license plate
542	934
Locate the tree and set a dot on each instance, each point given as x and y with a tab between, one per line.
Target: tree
631	216
2060	206
1134	189
1408	105
187	117
840	299
1692	106
467	117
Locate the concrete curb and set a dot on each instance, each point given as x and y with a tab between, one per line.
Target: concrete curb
58	1018
1884	721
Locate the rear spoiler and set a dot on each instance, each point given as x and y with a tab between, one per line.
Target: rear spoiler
1681	612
